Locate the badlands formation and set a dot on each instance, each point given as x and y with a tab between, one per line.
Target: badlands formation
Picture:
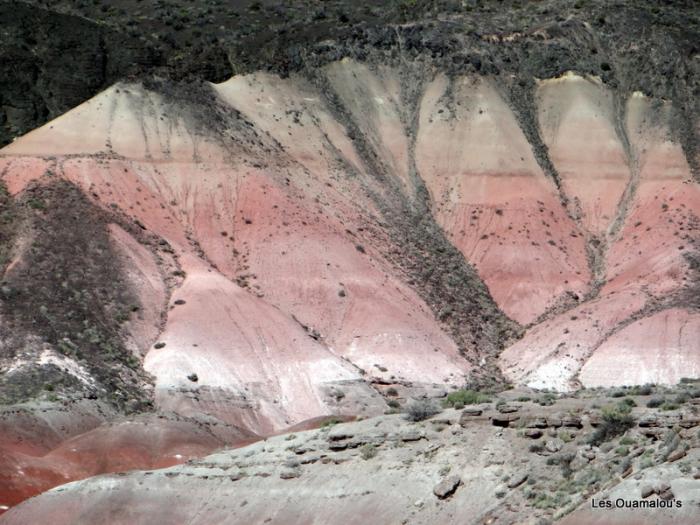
190	267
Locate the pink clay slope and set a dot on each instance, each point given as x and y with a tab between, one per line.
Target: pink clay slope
286	297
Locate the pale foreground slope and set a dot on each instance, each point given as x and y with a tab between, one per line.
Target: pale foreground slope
453	468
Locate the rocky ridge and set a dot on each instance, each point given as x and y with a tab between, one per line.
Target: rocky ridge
525	457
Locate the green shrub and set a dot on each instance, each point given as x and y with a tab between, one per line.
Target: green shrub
681	398
618	393
547	400
330	422
626	440
615	421
655	402
421	409
368	451
642	390
466	397
565	436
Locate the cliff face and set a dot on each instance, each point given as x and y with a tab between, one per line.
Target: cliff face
477	197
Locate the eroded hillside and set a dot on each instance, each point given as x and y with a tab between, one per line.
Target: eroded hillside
393	213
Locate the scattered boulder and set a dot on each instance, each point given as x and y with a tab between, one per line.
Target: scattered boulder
647	491
507	409
533	433
553	445
662	487
689	422
290	473
517	480
310	459
503	420
655	433
410	435
339	434
447	487
537	422
676	455
572	422
554	422
649	420
469	416
666	494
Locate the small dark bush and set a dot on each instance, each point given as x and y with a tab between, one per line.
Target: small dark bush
681	398
618	393
616	421
642	390
421	409
655	402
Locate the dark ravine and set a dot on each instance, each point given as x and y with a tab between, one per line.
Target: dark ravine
439	272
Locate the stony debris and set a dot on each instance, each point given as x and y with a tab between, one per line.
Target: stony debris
447	487
517	480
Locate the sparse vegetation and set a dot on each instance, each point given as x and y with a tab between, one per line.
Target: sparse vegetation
622	451
641	390
368	451
629	402
330	422
566	436
466	397
618	393
655	402
615	421
547	399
